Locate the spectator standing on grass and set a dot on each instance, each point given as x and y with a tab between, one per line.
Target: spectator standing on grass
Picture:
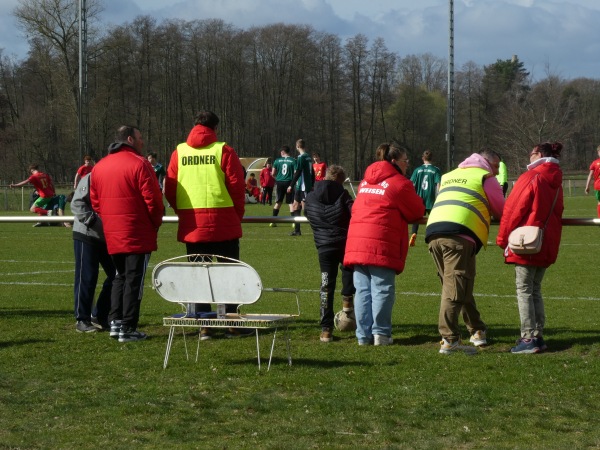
457	228
426	180
537	200
47	199
378	241
594	175
125	193
502	176
90	253
267	182
88	165
328	209
283	171
302	182
205	186
159	169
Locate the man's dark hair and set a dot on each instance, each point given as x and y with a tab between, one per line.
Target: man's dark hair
207	118
153	154
488	153
125	131
285	149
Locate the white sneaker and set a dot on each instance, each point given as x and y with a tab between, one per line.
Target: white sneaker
447	348
380	339
478	339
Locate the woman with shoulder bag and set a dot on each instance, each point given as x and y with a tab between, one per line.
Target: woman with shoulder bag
536	200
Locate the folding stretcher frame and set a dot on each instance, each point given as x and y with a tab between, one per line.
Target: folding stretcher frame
213	279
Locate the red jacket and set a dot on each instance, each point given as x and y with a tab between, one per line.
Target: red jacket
385	203
209	224
266	179
125	193
529	203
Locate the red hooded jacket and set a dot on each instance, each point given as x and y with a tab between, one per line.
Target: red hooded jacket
124	191
386	202
209	224
529	203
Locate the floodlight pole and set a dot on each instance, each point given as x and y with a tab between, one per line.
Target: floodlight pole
82	116
450	108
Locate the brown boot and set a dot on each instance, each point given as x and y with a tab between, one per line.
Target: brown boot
348	303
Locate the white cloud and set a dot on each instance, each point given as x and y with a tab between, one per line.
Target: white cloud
564	33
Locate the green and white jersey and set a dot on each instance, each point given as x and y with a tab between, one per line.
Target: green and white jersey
284	168
426	178
306	180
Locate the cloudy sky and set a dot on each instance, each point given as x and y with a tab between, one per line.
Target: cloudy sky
559	36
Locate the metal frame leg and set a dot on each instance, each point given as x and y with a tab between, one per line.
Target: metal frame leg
257	348
169	343
272	347
198	346
187	357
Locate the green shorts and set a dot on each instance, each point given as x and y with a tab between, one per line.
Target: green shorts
49	203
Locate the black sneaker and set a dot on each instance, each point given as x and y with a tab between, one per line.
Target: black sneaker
115	329
295	233
238	332
129	335
102	325
85	326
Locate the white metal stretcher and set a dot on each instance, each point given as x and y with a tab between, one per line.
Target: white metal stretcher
212	279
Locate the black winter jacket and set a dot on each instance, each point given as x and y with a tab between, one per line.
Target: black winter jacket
328	209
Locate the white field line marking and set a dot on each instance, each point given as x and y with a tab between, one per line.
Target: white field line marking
400	293
35	273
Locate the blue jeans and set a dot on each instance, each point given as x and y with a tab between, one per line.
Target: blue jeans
373	301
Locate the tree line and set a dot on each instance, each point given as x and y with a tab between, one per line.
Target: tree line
270	85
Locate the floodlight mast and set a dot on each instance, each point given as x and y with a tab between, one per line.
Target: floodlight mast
82	116
450	108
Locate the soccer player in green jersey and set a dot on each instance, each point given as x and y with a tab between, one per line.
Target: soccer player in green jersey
303	181
283	171
426	179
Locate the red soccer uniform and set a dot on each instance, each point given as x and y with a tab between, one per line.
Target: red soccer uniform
595	167
42	184
319	169
84	170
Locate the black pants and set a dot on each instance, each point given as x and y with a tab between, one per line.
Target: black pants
128	288
329	262
88	259
229	249
267	193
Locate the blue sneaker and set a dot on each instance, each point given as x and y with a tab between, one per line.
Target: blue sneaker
526	346
542	343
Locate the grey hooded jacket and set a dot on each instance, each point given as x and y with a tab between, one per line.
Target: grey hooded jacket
87	226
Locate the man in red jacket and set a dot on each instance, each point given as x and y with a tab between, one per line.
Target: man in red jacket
205	185
124	191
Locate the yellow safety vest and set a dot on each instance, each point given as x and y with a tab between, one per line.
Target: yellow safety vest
200	179
462	200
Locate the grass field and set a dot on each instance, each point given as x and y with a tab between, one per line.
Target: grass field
62	389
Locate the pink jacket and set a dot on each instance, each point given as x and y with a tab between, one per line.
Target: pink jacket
529	203
386	202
